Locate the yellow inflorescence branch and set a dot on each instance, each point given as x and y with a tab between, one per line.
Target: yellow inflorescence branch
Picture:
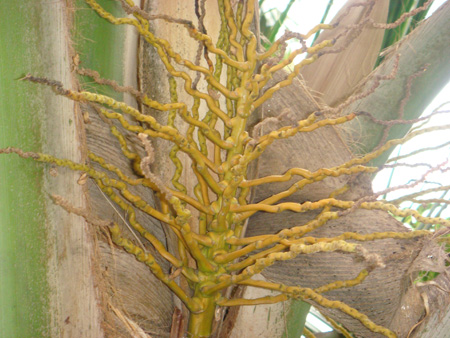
307	206
150	261
255	301
313	295
259	242
138	227
281	40
242	66
261	263
306	125
332	172
293	252
262	242
337	327
123	144
106	184
311	51
233	31
306	293
291	206
272	90
403	213
359	237
165	132
183	216
147	183
165	51
373	155
307	333
104	178
294	290
343	284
